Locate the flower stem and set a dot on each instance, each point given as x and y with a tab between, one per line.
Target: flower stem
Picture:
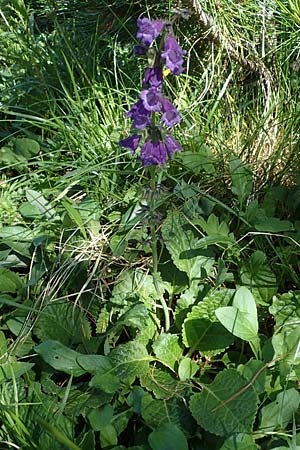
155	272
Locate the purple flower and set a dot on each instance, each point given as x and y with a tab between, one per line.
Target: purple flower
140	50
170	114
172	145
140	115
131	142
149	30
173	54
153	153
153	77
151	99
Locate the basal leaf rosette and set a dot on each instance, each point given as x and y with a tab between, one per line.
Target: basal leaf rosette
226	406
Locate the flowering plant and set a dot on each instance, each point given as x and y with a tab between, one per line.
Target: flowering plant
158	144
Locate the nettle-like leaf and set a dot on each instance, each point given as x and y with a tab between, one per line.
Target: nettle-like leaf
134	283
167	349
286	311
162	384
256	275
181	243
156	413
167	437
201	329
64	323
240	318
226	406
279	413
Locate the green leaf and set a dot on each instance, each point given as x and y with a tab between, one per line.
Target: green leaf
174	411
225	406
286	346
239	442
201	329
286	310
10	282
257	276
101	417
26	147
108	436
16	233
37	200
167	349
241	177
278	414
168	437
187	369
60	357
198	161
273	225
62	322
240	318
130	360
181	243
162	384
12	370
250	370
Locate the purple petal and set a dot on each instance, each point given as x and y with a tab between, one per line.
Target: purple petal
153	77
173	54
151	99
171	117
140	115
172	145
149	30
153	153
131	142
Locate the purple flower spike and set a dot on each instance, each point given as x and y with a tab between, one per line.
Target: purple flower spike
153	77
153	153
173	54
131	142
149	30
172	145
140	115
151	99
171	117
140	50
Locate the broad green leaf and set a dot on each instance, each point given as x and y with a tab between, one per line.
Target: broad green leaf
198	161
167	437
174	411
60	357
181	243
273	225
26	147
64	323
101	417
250	371
286	310
225	406
12	370
134	284
239	442
37	200
240	318
241	177
108	436
257	276
286	345
279	413
187	369
10	282
167	349
29	211
162	384
16	233
201	329
130	360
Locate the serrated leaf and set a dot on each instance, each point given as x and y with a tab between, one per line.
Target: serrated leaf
240	318
286	310
221	406
181	243
64	323
167	349
239	441
201	329
130	360
167	437
60	357
156	413
162	384
258	277
241	177
279	413
134	284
